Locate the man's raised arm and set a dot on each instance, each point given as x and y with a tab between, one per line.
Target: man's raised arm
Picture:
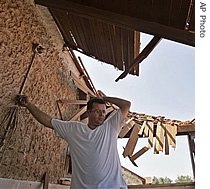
39	115
124	105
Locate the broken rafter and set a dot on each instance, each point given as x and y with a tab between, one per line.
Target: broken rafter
129	124
138	154
78	114
146	51
80	85
128	151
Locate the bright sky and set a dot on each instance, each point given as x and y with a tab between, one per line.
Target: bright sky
165	87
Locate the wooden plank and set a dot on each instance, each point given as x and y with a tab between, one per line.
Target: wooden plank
138	154
136	50
167	138
74	28
78	114
107	46
150	126
118	47
130	52
192	151
142	128
122	20
146	130
146	51
57	15
126	128
159	139
173	134
124	39
112	43
186	128
46	181
96	33
181	130
59	110
80	85
128	151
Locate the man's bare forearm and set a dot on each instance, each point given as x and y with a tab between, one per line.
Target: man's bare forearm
39	115
124	105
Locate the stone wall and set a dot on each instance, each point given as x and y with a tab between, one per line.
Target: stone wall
28	149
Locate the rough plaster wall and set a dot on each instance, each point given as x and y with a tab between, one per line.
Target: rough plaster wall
29	148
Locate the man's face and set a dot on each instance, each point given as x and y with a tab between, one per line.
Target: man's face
96	115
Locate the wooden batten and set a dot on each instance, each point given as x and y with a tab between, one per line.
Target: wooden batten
79	113
138	154
80	85
150	126
159	140
167	138
168	134
128	151
126	128
142	128
146	130
173	133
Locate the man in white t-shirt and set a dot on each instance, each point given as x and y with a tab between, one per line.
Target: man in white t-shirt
93	146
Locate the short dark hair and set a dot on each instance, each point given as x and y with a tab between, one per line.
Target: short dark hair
94	100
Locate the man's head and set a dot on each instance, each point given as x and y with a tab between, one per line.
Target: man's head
96	109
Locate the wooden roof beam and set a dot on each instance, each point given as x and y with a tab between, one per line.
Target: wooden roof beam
146	51
132	23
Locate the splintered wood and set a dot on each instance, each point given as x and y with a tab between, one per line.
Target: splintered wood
159	139
128	151
150	138
165	135
128	125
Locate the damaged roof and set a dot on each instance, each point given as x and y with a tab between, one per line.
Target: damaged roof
109	31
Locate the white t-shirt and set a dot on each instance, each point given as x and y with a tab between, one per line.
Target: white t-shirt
95	159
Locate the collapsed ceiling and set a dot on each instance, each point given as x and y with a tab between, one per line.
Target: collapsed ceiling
109	30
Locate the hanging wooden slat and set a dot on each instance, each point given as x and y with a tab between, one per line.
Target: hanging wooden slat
192	150
150	138
146	130
159	140
126	128
173	133
128	151
167	138
142	128
138	154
